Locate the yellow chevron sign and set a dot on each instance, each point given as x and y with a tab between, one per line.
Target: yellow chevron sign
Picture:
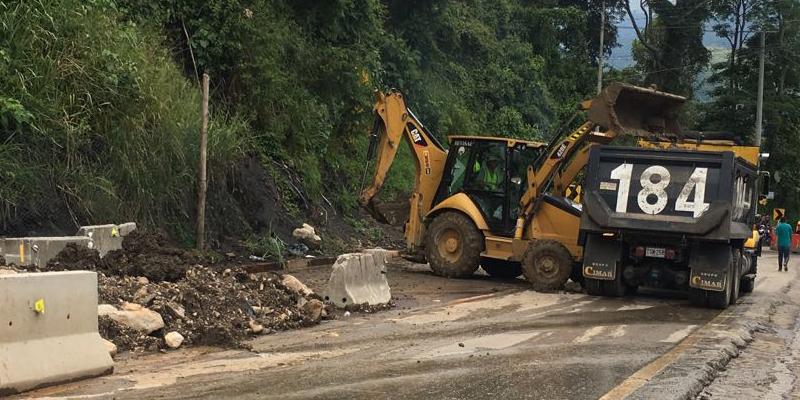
573	193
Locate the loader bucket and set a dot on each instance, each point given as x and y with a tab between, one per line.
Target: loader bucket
637	111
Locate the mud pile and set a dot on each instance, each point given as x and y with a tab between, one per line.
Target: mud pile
208	307
147	254
207	304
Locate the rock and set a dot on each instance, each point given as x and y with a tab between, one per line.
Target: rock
262	310
130	306
140	294
574	287
133	316
346	314
176	310
314	308
461	345
297	249
307	234
110	347
302	302
143	280
293	283
105	309
255	327
173	340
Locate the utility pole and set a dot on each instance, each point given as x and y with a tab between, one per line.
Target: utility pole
601	53
202	182
760	100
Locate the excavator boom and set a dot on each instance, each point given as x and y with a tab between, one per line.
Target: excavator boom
621	109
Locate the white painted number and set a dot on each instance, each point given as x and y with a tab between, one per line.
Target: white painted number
623	173
697	182
654	181
653	188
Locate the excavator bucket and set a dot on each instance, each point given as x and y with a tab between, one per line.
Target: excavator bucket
637	111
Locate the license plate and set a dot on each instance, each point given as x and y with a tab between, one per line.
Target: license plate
658	252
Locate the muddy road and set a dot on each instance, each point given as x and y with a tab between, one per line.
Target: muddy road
482	338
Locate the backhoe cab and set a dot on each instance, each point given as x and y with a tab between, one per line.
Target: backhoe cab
499	202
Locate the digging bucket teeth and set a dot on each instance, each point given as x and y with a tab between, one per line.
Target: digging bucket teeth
637	111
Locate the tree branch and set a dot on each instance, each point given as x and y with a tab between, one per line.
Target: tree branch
642	40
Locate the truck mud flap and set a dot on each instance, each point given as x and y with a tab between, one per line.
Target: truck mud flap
600	257
709	263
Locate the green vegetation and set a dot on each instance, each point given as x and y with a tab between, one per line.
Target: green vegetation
96	119
99	100
100	120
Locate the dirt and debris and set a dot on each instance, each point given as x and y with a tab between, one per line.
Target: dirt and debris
210	307
206	304
144	254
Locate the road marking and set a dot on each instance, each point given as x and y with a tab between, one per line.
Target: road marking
677	336
640	377
619	332
589	334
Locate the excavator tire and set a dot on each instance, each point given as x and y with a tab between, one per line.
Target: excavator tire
453	245
501	269
547	265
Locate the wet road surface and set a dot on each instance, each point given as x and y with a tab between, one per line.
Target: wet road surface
447	339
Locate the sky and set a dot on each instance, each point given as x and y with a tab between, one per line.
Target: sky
621	56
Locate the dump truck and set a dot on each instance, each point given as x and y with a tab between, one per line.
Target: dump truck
498	202
675	214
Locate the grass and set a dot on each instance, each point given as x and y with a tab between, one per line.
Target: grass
113	125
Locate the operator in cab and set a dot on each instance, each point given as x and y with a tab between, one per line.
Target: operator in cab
490	177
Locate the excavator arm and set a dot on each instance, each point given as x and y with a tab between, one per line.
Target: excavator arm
394	122
621	109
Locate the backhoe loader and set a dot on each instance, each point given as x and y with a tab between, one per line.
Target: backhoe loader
498	202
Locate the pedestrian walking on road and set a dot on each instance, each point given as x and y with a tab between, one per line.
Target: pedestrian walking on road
784	233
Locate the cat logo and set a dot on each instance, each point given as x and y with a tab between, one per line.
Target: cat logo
415	134
416	137
698	281
590	271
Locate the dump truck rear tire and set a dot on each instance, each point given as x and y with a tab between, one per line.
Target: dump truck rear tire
453	245
722	299
736	274
614	287
501	269
594	287
547	265
697	297
747	285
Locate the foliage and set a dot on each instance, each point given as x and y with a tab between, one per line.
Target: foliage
734	105
305	70
96	123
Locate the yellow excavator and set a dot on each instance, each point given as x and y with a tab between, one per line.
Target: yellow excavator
499	202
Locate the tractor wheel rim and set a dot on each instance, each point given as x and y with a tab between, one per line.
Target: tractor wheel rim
547	266
449	244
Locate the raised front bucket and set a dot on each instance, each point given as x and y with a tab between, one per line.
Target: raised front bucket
637	111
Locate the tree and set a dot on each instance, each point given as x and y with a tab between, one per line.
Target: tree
669	50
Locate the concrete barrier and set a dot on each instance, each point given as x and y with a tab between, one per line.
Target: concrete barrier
359	278
37	250
107	237
48	330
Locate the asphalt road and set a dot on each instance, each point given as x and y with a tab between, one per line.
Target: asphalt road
455	339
